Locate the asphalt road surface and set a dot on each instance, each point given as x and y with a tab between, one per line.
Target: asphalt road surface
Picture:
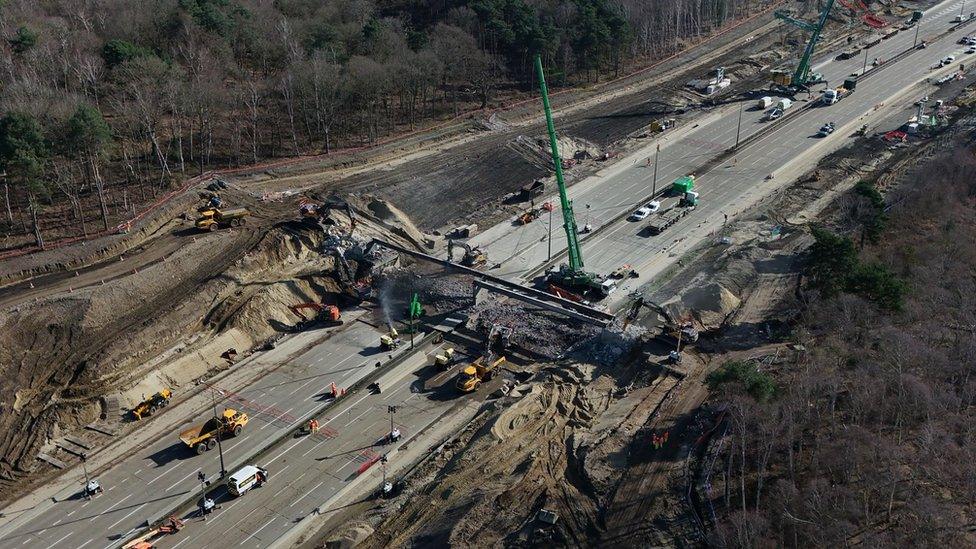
158	477
306	471
617	189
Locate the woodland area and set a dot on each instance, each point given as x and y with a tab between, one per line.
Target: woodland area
104	104
868	437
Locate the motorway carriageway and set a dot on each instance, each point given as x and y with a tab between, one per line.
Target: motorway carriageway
618	187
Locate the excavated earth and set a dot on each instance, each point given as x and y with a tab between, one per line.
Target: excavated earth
64	354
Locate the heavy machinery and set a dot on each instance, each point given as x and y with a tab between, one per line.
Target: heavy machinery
658	224
152	404
480	370
684	187
802	77
204	437
444	359
212	219
473	255
326	314
391	340
530	215
570	276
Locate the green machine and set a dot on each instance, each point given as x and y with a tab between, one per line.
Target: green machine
571	277
802	77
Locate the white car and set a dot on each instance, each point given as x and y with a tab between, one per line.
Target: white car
969	41
947	59
971	50
640	214
653	206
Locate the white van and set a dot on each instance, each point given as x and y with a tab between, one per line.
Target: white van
245	478
784	104
765	102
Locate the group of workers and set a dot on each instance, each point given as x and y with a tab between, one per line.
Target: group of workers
658	441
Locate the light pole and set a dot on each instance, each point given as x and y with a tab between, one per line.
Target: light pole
550	232
865	67
220	447
917	26
738	125
657	155
392	410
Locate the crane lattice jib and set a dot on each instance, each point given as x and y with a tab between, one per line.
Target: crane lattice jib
569	221
803	69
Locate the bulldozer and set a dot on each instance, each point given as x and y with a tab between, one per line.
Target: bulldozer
327	314
152	404
480	370
529	216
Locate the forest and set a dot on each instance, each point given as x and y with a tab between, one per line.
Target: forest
105	104
866	438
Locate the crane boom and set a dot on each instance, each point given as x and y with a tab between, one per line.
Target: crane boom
569	220
801	75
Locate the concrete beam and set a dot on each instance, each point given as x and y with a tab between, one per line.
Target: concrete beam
603	323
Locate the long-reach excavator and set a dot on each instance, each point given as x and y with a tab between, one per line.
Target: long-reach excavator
571	277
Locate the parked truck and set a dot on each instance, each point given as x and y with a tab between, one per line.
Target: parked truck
666	219
480	370
831	96
212	219
204	437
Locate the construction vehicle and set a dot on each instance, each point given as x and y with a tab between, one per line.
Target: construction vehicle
212	219
666	219
473	256
661	125
480	370
624	271
169	526
444	359
831	96
530	215
682	185
204	437
326	314
152	404
688	200
802	77
391	340
569	276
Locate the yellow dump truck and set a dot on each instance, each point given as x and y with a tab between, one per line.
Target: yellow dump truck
212	219
152	404
204	437
480	370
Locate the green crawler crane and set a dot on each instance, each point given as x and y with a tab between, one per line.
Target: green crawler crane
802	77
571	277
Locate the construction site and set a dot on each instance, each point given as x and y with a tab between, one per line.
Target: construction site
499	334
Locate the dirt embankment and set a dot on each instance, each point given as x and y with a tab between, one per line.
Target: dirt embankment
160	326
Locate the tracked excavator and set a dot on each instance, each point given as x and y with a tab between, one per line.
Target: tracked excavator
473	255
325	314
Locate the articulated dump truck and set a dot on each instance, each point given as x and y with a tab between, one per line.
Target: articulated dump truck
204	437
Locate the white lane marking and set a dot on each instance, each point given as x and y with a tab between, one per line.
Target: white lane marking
353	420
258	530
86	543
132	512
351	406
302	386
117	503
283	414
232	446
161	474
314	488
181	543
55	544
179	481
297	442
